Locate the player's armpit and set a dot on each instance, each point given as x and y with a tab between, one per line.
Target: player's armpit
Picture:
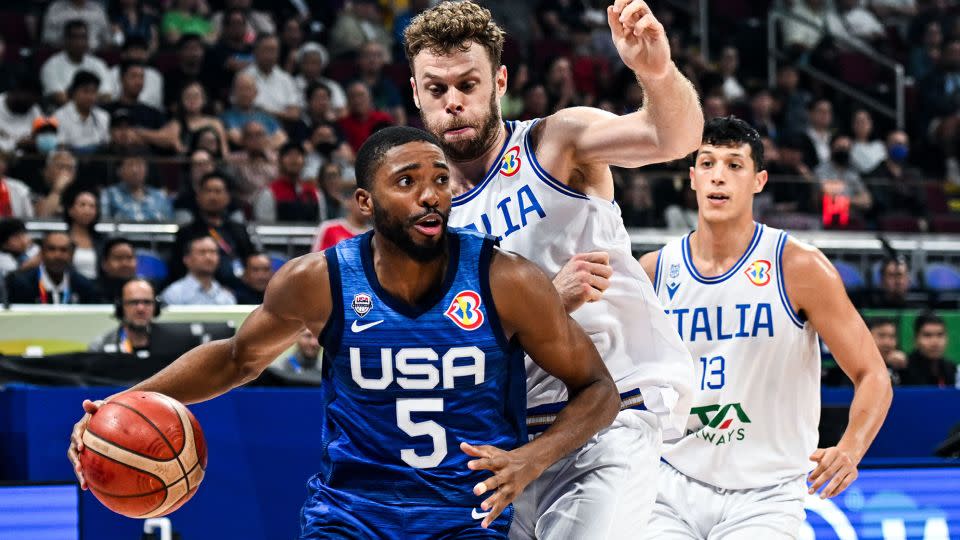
815	289
649	263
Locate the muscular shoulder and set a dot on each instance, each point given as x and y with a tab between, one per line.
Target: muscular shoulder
510	272
808	274
300	289
565	126
649	263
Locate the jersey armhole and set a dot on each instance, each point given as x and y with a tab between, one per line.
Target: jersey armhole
795	317
486	256
329	337
656	272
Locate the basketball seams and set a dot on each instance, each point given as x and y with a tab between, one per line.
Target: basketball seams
165	489
125	449
157	429
189	440
156	467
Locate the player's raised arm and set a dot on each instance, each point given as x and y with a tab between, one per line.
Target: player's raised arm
668	126
817	291
531	311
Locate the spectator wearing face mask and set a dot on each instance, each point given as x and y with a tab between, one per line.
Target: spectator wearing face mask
841	182
895	185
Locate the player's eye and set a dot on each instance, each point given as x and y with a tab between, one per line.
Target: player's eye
735	166
405	181
443	179
435	90
706	163
468	86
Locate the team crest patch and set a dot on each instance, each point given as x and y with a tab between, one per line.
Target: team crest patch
511	162
464	310
674	271
362	303
758	272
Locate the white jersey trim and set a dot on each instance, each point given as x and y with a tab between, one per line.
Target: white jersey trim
542	173
491	174
696	275
782	283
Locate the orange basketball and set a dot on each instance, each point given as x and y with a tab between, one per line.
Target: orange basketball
143	454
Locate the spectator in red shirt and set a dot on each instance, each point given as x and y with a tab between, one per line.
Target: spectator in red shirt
289	198
361	119
332	231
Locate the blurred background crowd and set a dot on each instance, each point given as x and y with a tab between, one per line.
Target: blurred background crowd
218	118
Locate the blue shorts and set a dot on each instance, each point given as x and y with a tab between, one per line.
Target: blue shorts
330	513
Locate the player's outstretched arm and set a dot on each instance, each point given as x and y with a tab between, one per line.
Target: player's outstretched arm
297	296
815	288
531	310
670	124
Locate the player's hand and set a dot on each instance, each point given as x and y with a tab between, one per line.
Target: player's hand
833	464
583	279
640	38
512	471
76	439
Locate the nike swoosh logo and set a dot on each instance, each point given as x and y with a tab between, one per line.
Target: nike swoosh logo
357	328
478	515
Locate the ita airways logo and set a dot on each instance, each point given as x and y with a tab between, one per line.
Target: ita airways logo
722	424
464	310
510	163
758	272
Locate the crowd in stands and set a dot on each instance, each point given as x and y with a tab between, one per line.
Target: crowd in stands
215	114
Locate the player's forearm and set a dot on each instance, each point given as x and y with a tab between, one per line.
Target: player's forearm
591	409
203	373
871	401
672	105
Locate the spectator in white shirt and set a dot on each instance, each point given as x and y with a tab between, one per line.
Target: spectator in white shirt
18	110
135	50
312	59
62	12
729	63
199	287
859	21
83	127
57	72
867	152
277	93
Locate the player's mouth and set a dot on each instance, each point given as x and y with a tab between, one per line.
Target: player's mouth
429	225
718	198
458	131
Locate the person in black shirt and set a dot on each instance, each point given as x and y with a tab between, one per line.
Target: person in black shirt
257	271
927	365
118	265
213	200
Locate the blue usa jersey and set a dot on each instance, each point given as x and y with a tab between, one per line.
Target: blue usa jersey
404	385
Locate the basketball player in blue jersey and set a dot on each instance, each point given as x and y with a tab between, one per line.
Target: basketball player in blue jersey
749	302
424	330
544	188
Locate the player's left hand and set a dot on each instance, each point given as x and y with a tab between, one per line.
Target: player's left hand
640	38
833	464
512	471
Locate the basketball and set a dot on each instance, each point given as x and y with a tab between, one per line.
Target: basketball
143	454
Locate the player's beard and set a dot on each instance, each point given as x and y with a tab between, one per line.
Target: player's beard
395	230
467	149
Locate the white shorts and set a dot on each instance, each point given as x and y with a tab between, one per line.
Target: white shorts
687	509
606	489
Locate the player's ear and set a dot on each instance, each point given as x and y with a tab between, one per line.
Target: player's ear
760	180
693	185
416	95
364	201
501	81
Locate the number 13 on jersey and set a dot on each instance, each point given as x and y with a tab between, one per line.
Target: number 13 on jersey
712	372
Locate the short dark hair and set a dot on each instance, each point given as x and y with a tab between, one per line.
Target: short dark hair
370	156
10	227
127	65
135	42
74	24
187	38
875	322
263	36
193	240
113	242
81	79
215	174
290	146
48	234
897	260
732	131
317	86
925	318
252	254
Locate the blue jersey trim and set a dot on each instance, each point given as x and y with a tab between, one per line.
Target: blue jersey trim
782	283
486	256
430	301
688	258
491	173
332	332
541	173
656	273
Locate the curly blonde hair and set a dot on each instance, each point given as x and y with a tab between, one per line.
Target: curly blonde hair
454	26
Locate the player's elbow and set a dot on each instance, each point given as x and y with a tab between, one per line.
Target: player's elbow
876	382
609	398
244	367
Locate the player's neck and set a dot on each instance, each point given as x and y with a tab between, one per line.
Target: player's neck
402	276
469	173
717	243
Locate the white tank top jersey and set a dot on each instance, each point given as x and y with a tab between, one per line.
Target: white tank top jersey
757	386
538	217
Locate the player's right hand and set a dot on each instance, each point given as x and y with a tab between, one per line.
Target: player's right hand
76	439
583	279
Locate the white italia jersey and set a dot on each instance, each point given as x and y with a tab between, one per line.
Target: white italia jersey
547	222
757	386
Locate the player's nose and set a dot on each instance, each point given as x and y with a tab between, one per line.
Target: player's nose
454	101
